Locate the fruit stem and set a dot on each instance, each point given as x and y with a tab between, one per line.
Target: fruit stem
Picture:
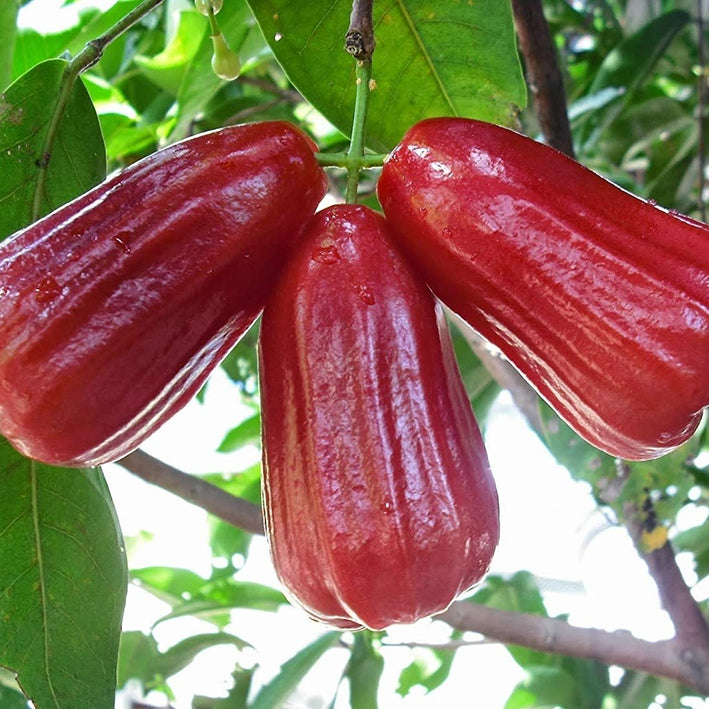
355	153
85	59
347	161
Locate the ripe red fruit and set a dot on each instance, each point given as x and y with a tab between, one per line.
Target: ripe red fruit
379	502
599	298
116	307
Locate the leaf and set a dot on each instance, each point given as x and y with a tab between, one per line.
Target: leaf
448	58
248	432
169	584
236	699
429	669
216	601
545	687
364	670
627	66
168	68
274	694
141	659
63	582
8	31
77	161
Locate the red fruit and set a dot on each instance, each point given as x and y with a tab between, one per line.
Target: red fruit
600	299
116	307
379	502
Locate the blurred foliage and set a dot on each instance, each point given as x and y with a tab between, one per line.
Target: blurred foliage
632	71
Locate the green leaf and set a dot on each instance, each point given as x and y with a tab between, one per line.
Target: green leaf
168	68
429	669
216	601
364	670
8	32
545	687
274	694
248	432
140	658
63	582
448	58
237	697
77	161
626	68
168	583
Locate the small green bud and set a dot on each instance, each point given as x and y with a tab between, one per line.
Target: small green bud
225	62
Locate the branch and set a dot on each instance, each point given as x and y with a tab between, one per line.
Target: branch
359	40
233	510
543	74
551	635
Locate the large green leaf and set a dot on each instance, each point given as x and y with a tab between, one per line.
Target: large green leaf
77	160
442	58
63	582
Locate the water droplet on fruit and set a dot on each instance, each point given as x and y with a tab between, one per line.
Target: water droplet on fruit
47	290
387	506
122	244
365	294
446	231
423	211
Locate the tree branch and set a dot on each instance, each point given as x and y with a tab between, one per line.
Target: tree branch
543	74
234	510
359	40
551	635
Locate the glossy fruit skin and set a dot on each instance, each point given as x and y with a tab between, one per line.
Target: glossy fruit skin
379	502
600	299
116	307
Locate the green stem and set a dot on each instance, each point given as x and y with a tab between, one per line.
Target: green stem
213	24
85	59
356	149
348	161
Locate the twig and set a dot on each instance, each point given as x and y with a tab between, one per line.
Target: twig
543	74
234	510
359	40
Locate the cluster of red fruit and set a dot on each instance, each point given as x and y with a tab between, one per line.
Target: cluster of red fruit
379	502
